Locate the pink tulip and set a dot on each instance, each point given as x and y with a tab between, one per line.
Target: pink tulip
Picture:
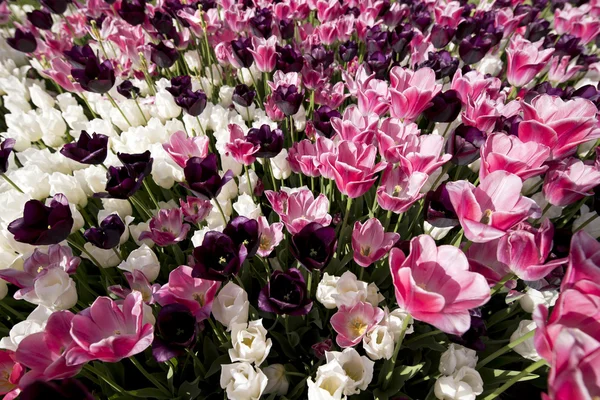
195	293
473	84
270	236
356	127
502	152
584	260
195	210
577	21
525	60
303	158
411	91
486	212
569	181
298	209
508	21
374	97
137	282
391	136
449	15
109	332
354	168
353	323
44	352
10	375
559	125
264	53
483	112
434	285
483	259
371	242
167	227
238	147
181	147
423	153
399	190
560	71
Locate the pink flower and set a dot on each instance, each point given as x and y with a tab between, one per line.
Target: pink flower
560	125
353	323
525	60
166	227
391	135
486	212
270	236
195	210
502	152
483	111
354	168
449	15
10	374
355	126
525	249
44	352
374	97
483	259
181	147
474	83
370	242
508	21
238	147
137	282
109	332
577	21
434	285
584	260
423	153
303	158
400	190
560	71
195	293
411	91
570	180
264	53
298	209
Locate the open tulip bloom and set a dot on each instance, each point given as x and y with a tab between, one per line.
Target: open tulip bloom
300	199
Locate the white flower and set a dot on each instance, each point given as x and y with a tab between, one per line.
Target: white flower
11	204
69	186
435	232
192	60
534	298
280	166
379	343
53	127
92	179
243	185
241	381
593	227
225	95
490	64
329	384
249	342
214	218
117	206
3	289
32	181
40	97
65	100
373	295
165	106
349	290
231	305
246	207
136	231
326	289
35	322
358	369
102	126
165	172
16	104
527	348
228	163
142	259
465	384
75	118
54	289
277	381
455	358
106	258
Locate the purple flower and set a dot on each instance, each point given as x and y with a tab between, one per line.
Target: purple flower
108	235
439	210
22	41
163	23
400	39
163	55
321	348
88	149
269	140
568	45
314	245
202	176
122	182
285	294
242	56
219	258
192	102
472	338
464	144
43	225
6	149
78	56
348	50
288	99
195	210
141	163
473	49
56	6
286	28
445	107
378	63
442	63
244	232
537	30
128	90
66	389
176	329
167	228
288	59
243	96
179	85
95	77
319	57
133	11
40	19
441	35
262	23
322	120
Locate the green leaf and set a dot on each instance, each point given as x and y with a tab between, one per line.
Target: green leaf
216	365
147	393
209	350
495	376
283	342
189	390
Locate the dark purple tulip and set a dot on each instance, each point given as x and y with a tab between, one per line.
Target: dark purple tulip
202	176
219	258
110	1
243	95
529	11
141	163
348	50
288	60
286	28
122	182
108	235
354	11
43	225
587	59
128	90
262	23
464	144
95	77
547	88
163	23
568	45
322	120
588	92
40	19
285	294
509	125
244	231
133	11
288	99
473	49
192	102
88	149
78	56
163	55
321	348
5	149
56	6
314	246
239	50
439	210
320	57
537	30
400	39
179	85
269	140
445	107
376	39
207	4
378	63
472	338
421	19
66	389
22	41
441	35
176	331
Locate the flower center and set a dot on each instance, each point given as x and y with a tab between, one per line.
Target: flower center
313	253
487	217
248	341
397	190
222	260
365	251
265	243
358	327
199	297
117	332
330	384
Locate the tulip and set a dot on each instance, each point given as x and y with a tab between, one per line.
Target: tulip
218	258
270	237
264	53
181	147
239	147
133	11
202	176
445	107
348	50
6	148
411	92
298	209
285	294
88	149
176	328
195	210
464	144
244	231
243	96
269	141
399	190
40	19
12	372
524	61
261	23
570	180
167	228
180	85
392	135
288	60
193	103
241	56
108	235
23	41
322	120
94	76
122	182
442	63
352	323
162	55
288	99
231	305
314	246
370	242
56	6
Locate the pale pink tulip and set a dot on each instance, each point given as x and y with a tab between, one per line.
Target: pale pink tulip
195	210
167	227
584	260
298	209
356	127
391	135
560	70
353	323
525	60
411	91
399	190
483	259
270	236
181	147
371	242
474	83
423	153
570	180
264	53
239	148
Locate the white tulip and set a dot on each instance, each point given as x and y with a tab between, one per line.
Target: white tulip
349	290
277	380
142	259
326	289
465	384
329	384
231	305
359	369
527	348
455	358
246	207
53	289
379	343
533	298
35	322
394	320
241	381
250	343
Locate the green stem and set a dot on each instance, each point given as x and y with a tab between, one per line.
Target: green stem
7	179
343	226
536	365
505	349
423	336
115	105
392	362
221	211
17	314
267	163
501	284
586	223
150	377
87	103
140	110
151	195
108	381
222	339
249	182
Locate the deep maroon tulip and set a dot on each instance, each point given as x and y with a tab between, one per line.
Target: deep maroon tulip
66	389
529	12
320	57
322	120
219	258
22	41
244	231
43	225
442	63
133	11
108	235
473	49
314	246
286	29
472	338
537	30
288	60
40	19
378	63
321	348
243	95
128	90
240	51
78	56
176	331
163	55
445	107
377	40
568	45
269	140
400	39
285	294
439	210
95	77
288	99
464	144
163	23
56	6
441	35
202	176
5	149
88	149
261	23
348	50
122	182
192	102
141	163
179	85
590	93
